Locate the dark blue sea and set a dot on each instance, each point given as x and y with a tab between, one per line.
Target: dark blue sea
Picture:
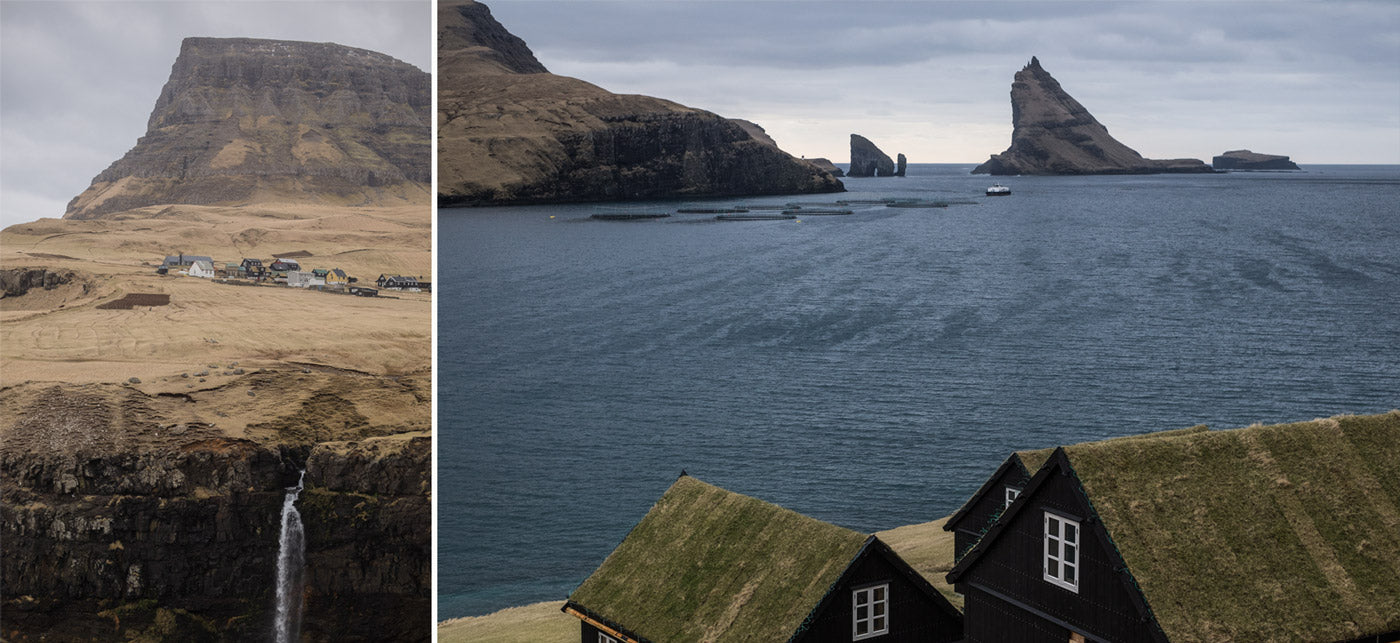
872	369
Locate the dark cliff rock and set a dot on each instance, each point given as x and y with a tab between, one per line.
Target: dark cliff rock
510	132
900	165
376	486
827	166
1247	160
118	525
18	281
243	120
868	160
1053	134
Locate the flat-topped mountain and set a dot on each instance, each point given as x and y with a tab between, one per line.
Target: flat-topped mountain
1053	134
511	132
244	120
1247	160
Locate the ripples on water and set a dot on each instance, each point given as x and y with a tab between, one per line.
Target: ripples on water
871	370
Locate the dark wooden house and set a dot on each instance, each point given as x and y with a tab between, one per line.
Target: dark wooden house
284	265
976	516
706	564
1267	533
396	282
252	269
972	520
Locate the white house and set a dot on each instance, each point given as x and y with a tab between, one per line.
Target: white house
304	279
202	269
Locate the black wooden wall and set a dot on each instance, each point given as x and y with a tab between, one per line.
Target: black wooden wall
1103	608
914	616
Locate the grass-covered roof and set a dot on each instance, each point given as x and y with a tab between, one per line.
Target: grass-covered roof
706	564
1282	532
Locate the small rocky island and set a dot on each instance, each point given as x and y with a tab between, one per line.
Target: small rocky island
1053	134
1247	160
868	160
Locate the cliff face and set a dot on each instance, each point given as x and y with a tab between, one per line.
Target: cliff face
244	120
119	524
510	132
1247	160
868	160
1053	134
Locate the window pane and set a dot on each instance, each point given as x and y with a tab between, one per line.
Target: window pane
1054	567
862	597
1069	553
879	609
862	627
1069	573
879	624
879	593
1071	533
1052	527
862	613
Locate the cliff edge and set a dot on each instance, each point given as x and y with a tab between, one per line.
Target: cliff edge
510	132
1053	134
243	120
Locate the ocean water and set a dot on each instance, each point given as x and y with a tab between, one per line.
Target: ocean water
872	369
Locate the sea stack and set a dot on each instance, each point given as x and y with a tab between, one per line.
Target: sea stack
1247	160
511	132
1053	134
900	164
868	160
244	120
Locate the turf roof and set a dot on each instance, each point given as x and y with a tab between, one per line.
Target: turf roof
1282	532
706	564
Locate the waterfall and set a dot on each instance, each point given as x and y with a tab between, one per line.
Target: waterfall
291	559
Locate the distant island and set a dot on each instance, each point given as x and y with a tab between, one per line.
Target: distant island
1054	134
1247	160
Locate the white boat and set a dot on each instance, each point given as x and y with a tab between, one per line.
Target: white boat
998	190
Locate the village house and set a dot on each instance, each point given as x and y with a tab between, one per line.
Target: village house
304	279
252	269
970	522
396	282
1268	533
337	278
706	564
182	260
283	265
202	269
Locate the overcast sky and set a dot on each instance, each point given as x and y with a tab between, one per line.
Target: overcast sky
79	79
1319	81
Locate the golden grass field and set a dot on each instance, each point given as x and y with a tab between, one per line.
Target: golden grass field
925	546
220	342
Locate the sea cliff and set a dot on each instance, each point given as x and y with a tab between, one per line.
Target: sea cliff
510	133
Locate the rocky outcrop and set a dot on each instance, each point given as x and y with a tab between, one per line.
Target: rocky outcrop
827	166
510	132
1247	160
900	165
119	525
243	120
868	160
18	281
377	487
1053	134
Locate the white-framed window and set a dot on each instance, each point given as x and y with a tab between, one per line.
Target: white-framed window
1011	494
1062	552
870	612
604	638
